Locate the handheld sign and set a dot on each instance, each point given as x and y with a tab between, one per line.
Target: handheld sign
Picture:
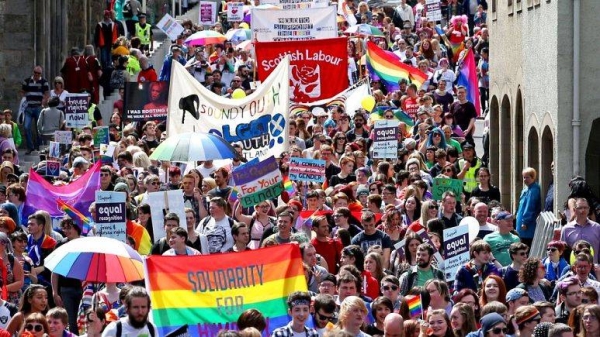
111	215
310	170
441	185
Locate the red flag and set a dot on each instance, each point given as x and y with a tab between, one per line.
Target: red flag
312	65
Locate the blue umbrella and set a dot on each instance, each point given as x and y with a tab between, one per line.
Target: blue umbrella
194	146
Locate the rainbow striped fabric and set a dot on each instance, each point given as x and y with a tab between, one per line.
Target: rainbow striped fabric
209	296
82	221
414	305
467	77
288	185
388	68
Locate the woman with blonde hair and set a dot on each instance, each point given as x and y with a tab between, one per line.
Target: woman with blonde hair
353	312
462	319
5	169
48	230
374	264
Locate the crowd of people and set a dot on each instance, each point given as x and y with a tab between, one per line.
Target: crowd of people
370	270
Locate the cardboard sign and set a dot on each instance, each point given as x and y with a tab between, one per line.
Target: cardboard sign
111	220
303	169
63	137
52	168
433	10
274	25
385	140
207	15
456	250
170	26
76	106
164	202
441	185
101	135
235	11
54	150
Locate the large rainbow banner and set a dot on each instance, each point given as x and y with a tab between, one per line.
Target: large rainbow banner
209	292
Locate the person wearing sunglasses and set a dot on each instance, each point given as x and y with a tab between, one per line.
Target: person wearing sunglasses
492	325
390	288
527	317
36	325
518	252
554	262
324	312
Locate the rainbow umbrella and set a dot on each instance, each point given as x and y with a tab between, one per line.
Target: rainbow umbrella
96	259
191	146
364	30
205	37
238	35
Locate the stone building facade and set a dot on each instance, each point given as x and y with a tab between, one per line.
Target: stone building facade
532	119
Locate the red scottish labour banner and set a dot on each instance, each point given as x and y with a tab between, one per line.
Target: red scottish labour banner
318	68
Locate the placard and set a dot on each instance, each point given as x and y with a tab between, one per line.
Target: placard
441	185
54	150
170	26
296	4
52	168
207	15
63	137
274	25
456	250
146	101
235	11
111	215
385	139
101	135
304	169
258	181
433	10
76	114
164	202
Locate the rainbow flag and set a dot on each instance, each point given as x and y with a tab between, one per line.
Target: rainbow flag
233	195
414	305
289	186
84	222
456	49
467	77
387	67
209	296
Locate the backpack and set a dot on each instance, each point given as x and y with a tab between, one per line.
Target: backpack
127	12
120	329
117	79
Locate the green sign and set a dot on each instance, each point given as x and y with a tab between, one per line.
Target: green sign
101	135
441	185
255	198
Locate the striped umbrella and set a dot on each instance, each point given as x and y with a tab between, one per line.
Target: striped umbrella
193	146
205	37
96	259
364	30
238	35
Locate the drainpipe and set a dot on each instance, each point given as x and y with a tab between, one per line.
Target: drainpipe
35	61
576	122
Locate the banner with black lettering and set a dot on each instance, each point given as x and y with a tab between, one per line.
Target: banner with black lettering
258	122
311	65
293	24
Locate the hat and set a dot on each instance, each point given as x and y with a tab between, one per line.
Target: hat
79	161
528	316
362	191
490	320
9	223
244	25
121	187
515	294
467	145
318	112
504	215
329	277
175	48
141	16
541	330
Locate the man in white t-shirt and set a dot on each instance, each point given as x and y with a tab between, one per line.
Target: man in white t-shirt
481	214
135	324
217	227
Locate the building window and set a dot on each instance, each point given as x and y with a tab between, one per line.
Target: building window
494	9
530	4
519	5
510	7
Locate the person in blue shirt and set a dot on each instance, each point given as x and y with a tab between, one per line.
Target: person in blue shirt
530	206
176	54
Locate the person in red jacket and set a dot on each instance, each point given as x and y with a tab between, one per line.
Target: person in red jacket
148	74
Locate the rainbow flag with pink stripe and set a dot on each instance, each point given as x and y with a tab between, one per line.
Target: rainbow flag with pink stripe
467	77
386	66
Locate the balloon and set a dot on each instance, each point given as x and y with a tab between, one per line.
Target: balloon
368	103
473	226
238	94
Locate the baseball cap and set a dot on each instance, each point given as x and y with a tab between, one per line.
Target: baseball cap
362	191
504	215
121	187
515	294
318	112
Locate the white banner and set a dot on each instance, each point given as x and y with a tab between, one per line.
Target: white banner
296	4
207	15
350	99
235	11
170	26
258	122
273	25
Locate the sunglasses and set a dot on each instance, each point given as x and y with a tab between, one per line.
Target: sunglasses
497	331
523	253
34	327
551	249
325	318
155	183
393	288
433	207
389	117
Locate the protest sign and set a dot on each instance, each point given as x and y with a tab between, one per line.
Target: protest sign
258	122
52	168
310	170
209	296
350	99
258	181
63	137
101	135
146	101
273	25
111	219
76	114
41	195
162	203
170	26
385	139
207	15
235	11
433	10
54	149
426	239
311	63
441	185
456	250
296	4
